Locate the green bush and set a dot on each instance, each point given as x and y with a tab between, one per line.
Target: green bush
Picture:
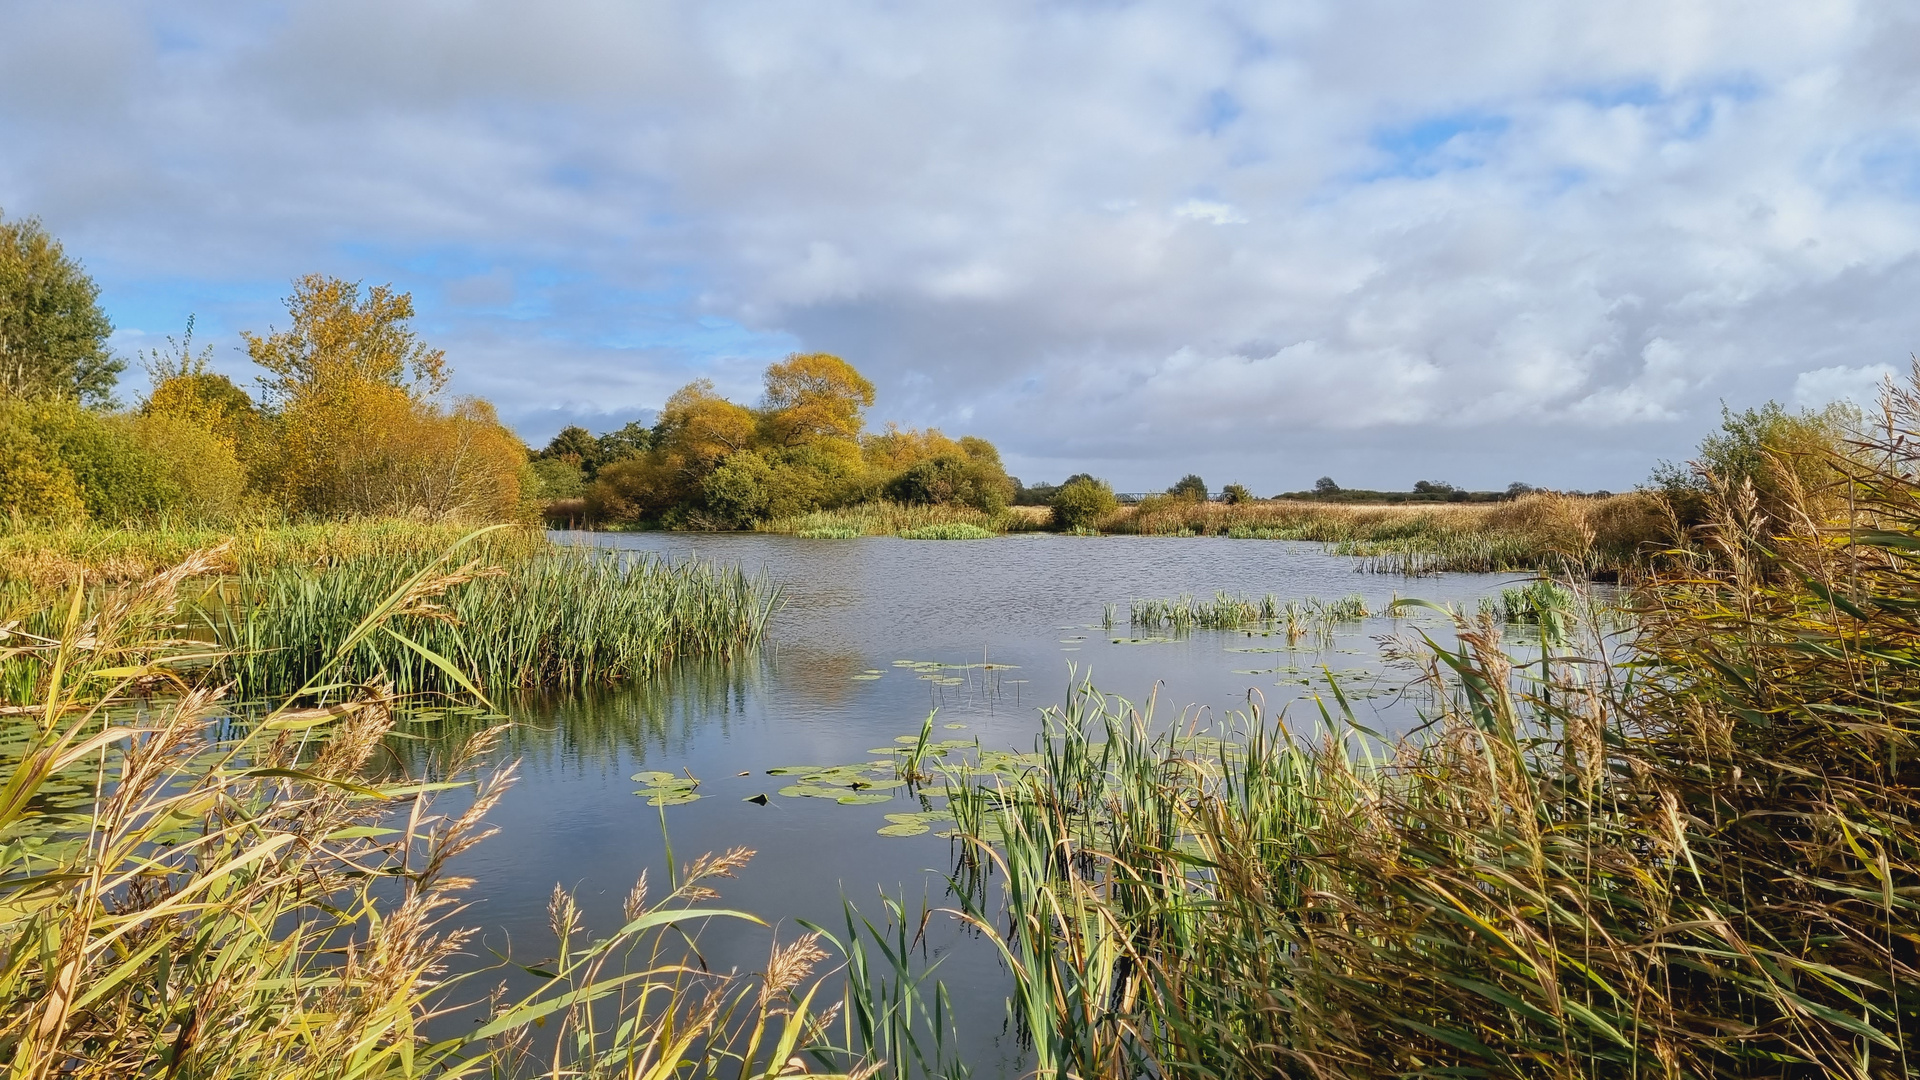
103	461
1190	487
738	491
954	480
1082	502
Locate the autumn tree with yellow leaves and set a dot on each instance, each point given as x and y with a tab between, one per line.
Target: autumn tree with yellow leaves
358	422
713	463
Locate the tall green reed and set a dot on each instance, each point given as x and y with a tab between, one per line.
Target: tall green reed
556	618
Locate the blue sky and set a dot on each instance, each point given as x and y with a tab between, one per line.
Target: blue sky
1386	241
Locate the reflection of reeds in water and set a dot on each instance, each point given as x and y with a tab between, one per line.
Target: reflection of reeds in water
635	721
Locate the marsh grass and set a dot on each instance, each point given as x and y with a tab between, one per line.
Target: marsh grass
1224	612
566	617
182	895
957	530
1534	532
894	519
48	558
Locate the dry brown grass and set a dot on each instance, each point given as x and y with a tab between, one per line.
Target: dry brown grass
1543	529
52	557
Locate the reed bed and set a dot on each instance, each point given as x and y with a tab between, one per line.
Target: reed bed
1688	853
892	519
1535	532
555	619
1225	612
48	558
187	896
956	530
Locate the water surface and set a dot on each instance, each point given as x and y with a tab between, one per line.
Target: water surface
829	689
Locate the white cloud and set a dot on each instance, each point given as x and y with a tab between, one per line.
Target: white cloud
1213	213
1858	385
1563	231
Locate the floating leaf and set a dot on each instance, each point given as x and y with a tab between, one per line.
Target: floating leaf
654	779
862	798
906	829
954	727
864	678
670	797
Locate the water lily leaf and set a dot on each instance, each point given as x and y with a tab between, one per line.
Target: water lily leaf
787	769
806	791
954	727
862	798
914	828
864	678
670	797
654	779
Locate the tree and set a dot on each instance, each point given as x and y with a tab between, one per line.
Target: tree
53	335
813	396
184	389
338	338
1235	494
1325	486
1082	501
1190	488
574	443
1517	489
1433	487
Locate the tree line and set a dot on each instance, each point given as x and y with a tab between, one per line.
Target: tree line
708	462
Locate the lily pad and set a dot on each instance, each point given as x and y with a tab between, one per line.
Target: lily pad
913	828
864	678
862	798
669	796
655	779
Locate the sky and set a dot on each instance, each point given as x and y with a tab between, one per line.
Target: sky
1265	242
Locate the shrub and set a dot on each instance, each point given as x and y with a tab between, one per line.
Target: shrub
1189	487
738	491
114	476
1235	494
1082	502
197	468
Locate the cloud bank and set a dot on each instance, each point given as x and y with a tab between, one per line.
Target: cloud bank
1382	240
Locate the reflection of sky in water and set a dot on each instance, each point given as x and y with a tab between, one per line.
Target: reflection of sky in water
836	682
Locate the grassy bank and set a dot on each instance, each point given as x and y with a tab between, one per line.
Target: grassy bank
1699	861
51	557
892	519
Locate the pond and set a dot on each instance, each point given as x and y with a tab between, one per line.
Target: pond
875	634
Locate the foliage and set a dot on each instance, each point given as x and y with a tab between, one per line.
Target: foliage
711	463
197	469
812	396
1190	488
53	335
1785	456
1081	502
338	338
58	452
1235	494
